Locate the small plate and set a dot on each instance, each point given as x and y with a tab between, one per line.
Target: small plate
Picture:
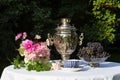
71	69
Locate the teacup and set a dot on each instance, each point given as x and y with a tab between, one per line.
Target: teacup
72	63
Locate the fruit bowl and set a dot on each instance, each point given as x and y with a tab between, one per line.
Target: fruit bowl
94	62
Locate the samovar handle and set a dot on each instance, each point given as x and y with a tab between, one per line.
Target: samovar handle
81	37
49	40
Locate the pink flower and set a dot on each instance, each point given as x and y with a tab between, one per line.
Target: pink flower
28	45
56	66
18	36
37	47
32	50
31	56
24	35
44	52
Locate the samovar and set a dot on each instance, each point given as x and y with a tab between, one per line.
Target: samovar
65	39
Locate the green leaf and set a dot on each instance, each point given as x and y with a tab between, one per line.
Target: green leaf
119	5
18	63
21	51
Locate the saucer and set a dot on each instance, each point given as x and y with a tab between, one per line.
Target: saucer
71	69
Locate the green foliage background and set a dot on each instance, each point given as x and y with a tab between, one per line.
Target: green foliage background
98	23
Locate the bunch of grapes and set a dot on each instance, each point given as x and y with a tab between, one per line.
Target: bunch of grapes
92	51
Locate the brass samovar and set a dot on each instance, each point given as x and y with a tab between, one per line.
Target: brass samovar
65	39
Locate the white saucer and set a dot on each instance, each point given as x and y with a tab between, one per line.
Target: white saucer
71	69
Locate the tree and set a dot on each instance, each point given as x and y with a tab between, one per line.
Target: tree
106	18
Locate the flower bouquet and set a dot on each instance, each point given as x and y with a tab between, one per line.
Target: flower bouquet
93	54
36	54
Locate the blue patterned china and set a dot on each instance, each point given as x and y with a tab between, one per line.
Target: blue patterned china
72	63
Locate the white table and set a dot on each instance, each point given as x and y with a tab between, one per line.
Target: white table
106	71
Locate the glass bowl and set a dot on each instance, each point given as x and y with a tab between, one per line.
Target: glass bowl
94	62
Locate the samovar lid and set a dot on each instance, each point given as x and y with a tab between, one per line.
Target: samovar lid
65	25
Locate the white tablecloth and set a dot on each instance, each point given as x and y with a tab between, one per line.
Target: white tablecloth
106	71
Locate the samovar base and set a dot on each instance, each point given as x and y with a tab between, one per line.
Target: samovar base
65	56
